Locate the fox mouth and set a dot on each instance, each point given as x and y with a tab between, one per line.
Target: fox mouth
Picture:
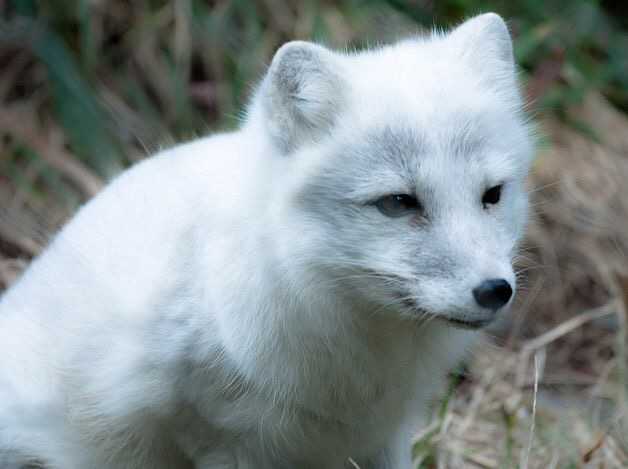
471	324
468	324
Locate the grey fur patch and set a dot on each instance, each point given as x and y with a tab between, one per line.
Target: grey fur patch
466	140
400	148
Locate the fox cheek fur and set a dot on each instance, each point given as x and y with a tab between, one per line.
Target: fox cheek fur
261	298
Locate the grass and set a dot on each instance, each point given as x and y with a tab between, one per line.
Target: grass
88	88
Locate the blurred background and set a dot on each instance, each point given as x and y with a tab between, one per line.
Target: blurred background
89	87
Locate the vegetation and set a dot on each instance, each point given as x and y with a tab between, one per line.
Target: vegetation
88	87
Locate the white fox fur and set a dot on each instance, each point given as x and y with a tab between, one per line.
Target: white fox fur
240	302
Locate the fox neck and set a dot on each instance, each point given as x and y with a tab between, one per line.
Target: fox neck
295	333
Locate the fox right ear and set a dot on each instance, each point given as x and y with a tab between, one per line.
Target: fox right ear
484	41
301	93
486	36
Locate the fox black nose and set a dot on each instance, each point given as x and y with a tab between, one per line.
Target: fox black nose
493	293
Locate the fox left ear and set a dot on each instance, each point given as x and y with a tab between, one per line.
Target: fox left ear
485	41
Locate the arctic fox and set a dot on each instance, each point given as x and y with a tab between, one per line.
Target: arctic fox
289	295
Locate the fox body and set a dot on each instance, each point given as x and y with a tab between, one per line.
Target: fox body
289	295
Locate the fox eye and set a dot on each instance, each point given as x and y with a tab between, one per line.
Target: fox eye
492	196
397	205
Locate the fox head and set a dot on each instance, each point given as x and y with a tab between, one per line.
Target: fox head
402	170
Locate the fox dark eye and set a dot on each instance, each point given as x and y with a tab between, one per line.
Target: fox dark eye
397	205
492	196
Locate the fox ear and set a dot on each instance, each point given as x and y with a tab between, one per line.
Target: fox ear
485	41
301	93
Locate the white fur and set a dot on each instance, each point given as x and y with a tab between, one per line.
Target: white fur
234	302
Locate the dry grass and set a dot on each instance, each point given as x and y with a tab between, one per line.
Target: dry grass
497	421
